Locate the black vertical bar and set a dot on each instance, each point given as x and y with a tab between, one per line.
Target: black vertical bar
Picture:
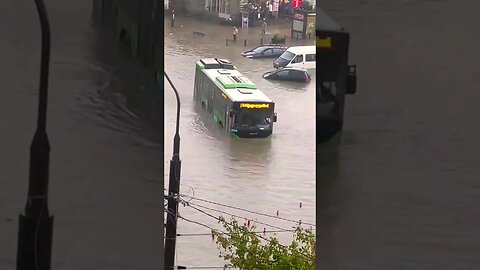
173	191
36	226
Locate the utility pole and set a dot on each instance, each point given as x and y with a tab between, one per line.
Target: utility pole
36	225
173	192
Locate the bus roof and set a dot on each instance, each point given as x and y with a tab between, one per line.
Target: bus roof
302	49
324	22
236	86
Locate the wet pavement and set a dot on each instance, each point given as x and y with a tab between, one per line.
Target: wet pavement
265	175
402	190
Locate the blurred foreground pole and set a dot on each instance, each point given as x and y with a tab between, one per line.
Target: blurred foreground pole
173	192
36	225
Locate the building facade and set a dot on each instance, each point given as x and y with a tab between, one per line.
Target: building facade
137	26
221	10
232	10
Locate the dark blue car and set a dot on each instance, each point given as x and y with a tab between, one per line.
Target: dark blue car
265	51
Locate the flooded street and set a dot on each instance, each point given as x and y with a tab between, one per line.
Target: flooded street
264	175
402	191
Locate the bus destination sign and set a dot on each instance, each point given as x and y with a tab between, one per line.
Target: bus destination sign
255	105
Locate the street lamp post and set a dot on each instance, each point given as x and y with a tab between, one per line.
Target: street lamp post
36	225
173	191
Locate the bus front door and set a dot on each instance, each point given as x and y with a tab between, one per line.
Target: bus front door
230	120
227	119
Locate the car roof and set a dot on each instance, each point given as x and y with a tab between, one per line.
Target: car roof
293	68
271	45
302	49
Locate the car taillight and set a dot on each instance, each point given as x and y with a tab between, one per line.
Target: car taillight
307	78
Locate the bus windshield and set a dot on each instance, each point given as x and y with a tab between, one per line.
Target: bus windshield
251	119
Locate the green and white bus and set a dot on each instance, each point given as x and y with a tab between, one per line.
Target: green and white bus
233	100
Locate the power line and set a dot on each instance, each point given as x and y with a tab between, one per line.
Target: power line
246	210
268	240
223	212
280	230
283	267
201	224
208	234
206	267
206	226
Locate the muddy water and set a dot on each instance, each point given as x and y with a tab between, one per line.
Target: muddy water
265	175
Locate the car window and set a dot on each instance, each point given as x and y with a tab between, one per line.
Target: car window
310	57
277	51
282	74
297	74
298	59
259	49
267	51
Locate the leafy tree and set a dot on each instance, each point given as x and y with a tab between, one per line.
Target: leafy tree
246	250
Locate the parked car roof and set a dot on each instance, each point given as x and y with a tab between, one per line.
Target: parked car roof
291	68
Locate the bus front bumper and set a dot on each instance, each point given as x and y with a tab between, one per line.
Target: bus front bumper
251	133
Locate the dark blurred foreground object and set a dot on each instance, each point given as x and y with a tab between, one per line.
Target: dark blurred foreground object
173	190
335	77
36	225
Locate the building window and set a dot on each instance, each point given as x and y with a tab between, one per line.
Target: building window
224	6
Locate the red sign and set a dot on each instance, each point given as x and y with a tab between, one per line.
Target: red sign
297	3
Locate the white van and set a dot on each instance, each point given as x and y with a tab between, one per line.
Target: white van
297	56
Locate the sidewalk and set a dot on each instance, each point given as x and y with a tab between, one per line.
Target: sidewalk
186	26
251	41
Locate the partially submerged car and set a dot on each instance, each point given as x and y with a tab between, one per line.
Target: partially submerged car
289	74
265	51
